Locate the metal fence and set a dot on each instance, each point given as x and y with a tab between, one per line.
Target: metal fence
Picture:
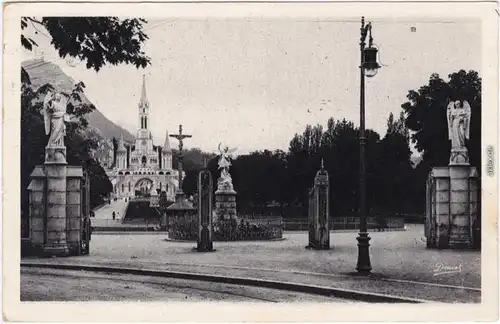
249	227
346	223
245	227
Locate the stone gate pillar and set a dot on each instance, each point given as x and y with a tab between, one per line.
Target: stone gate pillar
463	205
452	192
205	193
56	169
319	212
48	204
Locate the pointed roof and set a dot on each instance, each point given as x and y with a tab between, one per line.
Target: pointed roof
121	144
144	97
166	145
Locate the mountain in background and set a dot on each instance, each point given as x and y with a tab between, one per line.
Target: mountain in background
42	72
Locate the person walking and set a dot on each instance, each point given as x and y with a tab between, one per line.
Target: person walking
114	215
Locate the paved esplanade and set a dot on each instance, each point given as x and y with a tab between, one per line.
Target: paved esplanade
400	260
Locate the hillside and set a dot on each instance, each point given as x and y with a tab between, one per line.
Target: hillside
42	72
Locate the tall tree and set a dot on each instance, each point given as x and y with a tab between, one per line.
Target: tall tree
426	116
395	169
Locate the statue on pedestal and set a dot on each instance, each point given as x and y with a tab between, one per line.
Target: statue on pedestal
225	182
458	115
54	113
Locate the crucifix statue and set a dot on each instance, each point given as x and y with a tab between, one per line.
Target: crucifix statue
180	137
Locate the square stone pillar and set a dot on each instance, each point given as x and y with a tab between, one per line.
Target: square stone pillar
319	212
37	209
452	201
55	206
56	243
463	205
56	221
205	193
48	222
74	209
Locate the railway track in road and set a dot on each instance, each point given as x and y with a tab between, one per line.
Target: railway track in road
73	285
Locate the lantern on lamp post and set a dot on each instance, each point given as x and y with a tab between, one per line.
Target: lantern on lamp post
369	67
370	64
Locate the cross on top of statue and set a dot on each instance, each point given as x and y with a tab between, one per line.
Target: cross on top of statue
180	137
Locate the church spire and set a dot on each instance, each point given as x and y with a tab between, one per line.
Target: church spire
121	144
144	97
166	146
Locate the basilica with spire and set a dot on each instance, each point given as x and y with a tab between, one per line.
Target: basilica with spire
142	167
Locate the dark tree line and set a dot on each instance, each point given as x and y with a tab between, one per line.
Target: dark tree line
394	184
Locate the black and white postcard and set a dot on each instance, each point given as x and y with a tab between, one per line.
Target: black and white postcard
250	161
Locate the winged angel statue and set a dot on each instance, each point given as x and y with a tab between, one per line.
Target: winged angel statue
54	113
458	123
225	181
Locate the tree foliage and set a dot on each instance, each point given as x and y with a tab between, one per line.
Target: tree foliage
94	40
193	163
426	116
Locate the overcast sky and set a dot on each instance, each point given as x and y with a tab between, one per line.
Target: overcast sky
252	84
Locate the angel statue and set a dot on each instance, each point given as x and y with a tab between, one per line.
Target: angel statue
458	123
458	115
225	180
54	113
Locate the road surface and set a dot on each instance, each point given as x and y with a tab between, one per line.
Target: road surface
63	285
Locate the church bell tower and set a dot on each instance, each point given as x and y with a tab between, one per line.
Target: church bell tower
144	142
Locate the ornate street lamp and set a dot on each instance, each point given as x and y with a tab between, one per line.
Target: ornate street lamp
368	68
370	64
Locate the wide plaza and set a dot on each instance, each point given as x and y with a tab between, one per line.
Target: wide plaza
402	266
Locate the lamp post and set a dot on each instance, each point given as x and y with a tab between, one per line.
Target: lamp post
367	68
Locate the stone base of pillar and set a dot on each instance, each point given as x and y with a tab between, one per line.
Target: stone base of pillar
205	246
452	204
225	204
53	249
55	209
